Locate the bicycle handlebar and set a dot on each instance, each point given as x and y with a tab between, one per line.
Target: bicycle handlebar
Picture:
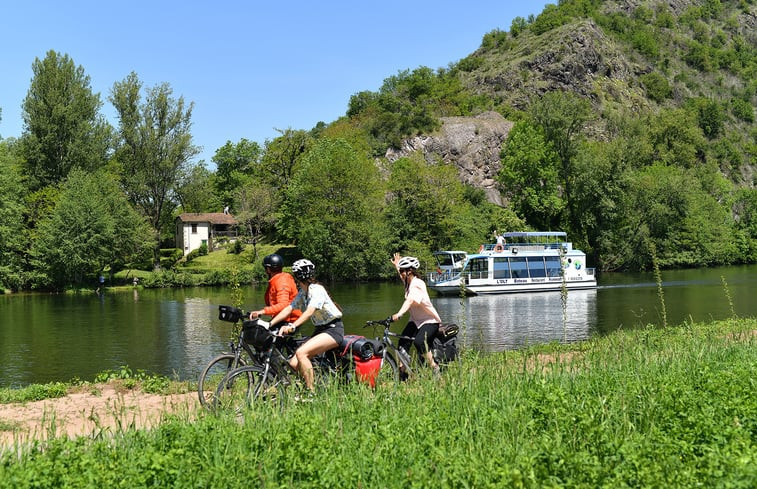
382	322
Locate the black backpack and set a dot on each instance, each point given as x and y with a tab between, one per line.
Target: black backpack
444	351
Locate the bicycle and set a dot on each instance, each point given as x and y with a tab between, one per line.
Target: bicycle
222	364
399	367
269	378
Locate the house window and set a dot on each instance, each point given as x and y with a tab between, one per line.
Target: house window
194	228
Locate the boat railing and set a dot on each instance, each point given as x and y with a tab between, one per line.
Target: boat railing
493	247
441	276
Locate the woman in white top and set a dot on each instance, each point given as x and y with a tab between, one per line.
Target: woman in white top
316	304
424	320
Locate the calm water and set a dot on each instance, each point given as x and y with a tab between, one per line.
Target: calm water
175	332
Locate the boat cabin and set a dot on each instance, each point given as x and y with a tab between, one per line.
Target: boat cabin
523	261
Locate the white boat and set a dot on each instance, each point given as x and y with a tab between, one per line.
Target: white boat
526	262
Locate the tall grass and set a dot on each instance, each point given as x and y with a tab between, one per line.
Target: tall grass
653	407
658	281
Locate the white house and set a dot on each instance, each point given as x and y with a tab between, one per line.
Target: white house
194	229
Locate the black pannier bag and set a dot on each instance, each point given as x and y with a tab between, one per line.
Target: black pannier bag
447	331
256	335
444	351
229	313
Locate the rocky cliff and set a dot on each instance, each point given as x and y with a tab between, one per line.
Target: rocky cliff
472	144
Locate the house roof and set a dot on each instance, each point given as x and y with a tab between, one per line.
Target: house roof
211	217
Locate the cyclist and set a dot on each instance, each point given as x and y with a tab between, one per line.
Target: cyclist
316	304
281	289
424	320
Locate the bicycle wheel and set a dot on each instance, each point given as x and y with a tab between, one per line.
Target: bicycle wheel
389	373
246	386
212	375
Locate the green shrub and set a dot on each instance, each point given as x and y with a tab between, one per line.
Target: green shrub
236	247
742	110
657	87
35	392
169	257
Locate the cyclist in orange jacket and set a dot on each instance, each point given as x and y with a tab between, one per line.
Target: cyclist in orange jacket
281	290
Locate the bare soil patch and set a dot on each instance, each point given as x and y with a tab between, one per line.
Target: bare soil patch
100	409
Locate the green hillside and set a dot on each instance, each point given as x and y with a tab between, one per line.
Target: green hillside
628	124
635	124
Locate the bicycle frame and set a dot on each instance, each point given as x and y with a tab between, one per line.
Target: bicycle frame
275	359
402	356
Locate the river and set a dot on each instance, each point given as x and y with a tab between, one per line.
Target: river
60	337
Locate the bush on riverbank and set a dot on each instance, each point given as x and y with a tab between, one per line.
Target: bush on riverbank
671	407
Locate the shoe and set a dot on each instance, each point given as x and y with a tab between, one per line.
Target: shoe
437	372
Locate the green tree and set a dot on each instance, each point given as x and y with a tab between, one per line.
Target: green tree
282	156
11	220
63	129
562	116
745	208
154	148
430	209
657	87
332	208
530	177
676	138
235	163
606	230
710	116
195	190
93	227
688	226
256	207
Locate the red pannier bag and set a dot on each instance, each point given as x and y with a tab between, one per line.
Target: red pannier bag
366	355
367	370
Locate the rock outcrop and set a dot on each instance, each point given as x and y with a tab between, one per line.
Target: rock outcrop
472	144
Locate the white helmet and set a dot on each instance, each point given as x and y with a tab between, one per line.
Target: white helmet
409	262
303	269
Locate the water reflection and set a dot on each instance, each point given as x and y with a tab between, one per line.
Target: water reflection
198	344
502	322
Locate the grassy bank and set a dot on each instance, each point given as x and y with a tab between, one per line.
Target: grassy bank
671	407
220	267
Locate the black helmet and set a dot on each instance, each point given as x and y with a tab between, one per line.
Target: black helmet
274	262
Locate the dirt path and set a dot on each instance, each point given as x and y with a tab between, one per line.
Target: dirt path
102	408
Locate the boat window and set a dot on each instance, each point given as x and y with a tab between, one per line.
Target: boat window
553	266
518	267
501	268
536	267
478	268
450	259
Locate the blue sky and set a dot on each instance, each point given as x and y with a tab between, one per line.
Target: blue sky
249	67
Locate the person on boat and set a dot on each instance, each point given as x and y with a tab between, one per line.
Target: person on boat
424	320
500	246
281	289
316	304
